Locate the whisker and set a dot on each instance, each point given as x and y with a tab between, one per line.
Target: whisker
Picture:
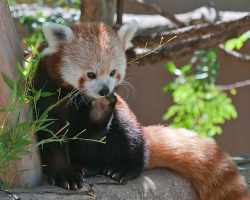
129	88
78	101
72	96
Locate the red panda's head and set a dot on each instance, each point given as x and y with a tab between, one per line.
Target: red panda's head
92	54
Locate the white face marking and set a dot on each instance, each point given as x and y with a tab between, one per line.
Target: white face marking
93	87
96	48
71	73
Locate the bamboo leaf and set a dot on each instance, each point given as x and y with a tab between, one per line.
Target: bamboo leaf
8	81
30	65
1	151
13	98
22	59
33	48
12	158
24	152
37	96
24	170
46	94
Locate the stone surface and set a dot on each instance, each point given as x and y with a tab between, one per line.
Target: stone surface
244	167
155	184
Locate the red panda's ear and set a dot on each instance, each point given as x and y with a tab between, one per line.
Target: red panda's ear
127	32
56	33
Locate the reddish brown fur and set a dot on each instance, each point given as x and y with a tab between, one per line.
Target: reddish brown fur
214	175
122	105
81	82
52	60
118	76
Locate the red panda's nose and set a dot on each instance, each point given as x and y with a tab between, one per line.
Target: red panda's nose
104	91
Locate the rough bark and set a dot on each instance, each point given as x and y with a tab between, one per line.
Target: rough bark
190	39
237	55
191	31
96	10
234	85
155	10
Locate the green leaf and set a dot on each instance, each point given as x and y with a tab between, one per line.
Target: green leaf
171	67
37	96
12	158
46	94
39	15
44	115
26	185
19	85
35	50
15	108
172	110
20	73
168	87
239	44
3	110
8	81
1	151
22	69
24	152
30	65
186	69
22	59
24	170
13	98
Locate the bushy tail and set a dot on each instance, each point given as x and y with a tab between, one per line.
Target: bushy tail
213	173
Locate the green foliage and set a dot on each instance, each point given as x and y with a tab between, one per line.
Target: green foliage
237	42
16	134
198	104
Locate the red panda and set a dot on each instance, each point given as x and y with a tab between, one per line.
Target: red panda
89	59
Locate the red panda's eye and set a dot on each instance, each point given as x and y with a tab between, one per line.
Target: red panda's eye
91	75
113	72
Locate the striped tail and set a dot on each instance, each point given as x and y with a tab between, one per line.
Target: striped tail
212	172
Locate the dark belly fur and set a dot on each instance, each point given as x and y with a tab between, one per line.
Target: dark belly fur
123	155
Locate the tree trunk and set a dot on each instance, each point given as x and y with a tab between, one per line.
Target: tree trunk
98	10
10	48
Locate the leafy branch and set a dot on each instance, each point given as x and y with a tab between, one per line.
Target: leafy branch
198	104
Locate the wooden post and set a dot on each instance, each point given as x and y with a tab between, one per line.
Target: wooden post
98	10
10	48
119	12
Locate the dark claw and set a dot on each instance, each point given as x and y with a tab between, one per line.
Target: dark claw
64	184
52	181
74	187
105	171
111	172
67	179
117	176
123	180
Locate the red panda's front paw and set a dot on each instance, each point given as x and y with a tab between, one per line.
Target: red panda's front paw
121	175
67	179
112	98
102	109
